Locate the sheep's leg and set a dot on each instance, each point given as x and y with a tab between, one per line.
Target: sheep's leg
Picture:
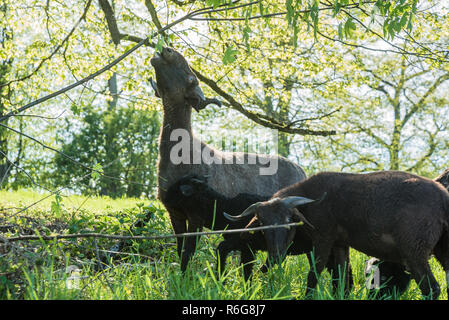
441	252
247	259
321	256
423	276
189	246
338	263
223	249
179	226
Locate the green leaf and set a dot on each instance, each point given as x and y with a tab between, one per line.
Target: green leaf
340	31
97	171
403	20
213	3
160	43
337	7
56	205
229	55
349	27
246	32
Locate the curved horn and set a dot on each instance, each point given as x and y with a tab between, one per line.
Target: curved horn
249	211
295	201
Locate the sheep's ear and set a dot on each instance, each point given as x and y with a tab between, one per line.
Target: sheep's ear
253	223
154	85
186	190
299	217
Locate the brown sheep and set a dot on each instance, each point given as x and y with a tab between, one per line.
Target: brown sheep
230	173
193	194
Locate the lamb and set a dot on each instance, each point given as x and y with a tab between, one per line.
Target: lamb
395	216
230	172
197	200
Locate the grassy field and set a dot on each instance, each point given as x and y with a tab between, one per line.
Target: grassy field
80	269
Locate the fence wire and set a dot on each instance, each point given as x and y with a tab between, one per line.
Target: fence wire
156	237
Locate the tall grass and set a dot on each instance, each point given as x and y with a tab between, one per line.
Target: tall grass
147	269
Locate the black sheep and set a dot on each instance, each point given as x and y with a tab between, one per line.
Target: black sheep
393	277
197	200
395	216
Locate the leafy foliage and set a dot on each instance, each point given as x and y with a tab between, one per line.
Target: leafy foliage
121	147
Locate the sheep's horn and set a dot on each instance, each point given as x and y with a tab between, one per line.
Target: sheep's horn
154	85
295	201
249	211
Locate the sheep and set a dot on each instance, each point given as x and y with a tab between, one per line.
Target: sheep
393	277
192	194
230	172
395	216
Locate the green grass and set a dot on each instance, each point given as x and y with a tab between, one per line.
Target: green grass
95	204
37	270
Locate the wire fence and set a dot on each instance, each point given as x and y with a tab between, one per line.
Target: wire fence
156	237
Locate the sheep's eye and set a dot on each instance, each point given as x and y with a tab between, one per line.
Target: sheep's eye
192	80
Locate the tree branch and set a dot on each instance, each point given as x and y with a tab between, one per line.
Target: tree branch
255	117
153	15
111	21
420	103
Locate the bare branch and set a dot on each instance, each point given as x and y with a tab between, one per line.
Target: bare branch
153	14
272	123
420	103
111	21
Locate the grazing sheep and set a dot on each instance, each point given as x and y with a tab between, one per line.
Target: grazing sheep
230	172
192	196
395	216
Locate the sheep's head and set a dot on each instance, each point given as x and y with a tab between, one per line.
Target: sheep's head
185	189
176	84
276	211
